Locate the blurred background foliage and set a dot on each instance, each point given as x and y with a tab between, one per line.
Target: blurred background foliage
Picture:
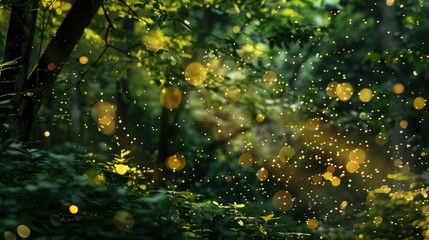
226	120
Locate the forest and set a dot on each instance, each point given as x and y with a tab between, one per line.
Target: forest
214	119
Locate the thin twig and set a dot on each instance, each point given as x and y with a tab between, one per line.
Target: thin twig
107	17
123	3
124	52
77	83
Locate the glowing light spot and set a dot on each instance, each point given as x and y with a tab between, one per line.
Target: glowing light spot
344	91
336	181
312	223
23	231
83	60
100	180
47	134
378	220
154	40
370	196
123	220
286	153
397	162
260	117
425	210
269	77
344	204
405	168
171	97
228	178
398	88
73	209
317	178
195	73
419	103
51	67
236	29
330	169
8	235
233	94
390	2
262	174
381	138
365	95
426	233
107	129
176	162
312	124
234	11
101	109
327	175
94	178
246	160
403	124
352	166
331	89
282	200
121	169
357	155
104	114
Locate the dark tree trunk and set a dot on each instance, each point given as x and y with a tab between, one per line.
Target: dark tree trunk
20	35
41	81
122	113
160	169
122	97
389	31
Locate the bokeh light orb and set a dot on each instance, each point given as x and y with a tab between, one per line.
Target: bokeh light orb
195	73
171	97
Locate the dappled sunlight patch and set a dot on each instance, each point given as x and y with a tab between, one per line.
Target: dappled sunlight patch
154	40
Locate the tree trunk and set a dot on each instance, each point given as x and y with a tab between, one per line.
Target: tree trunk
389	31
41	81
122	113
160	169
122	96
20	35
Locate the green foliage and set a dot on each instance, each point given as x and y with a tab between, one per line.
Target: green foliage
402	206
134	49
38	187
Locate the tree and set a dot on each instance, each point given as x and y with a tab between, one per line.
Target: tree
30	92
